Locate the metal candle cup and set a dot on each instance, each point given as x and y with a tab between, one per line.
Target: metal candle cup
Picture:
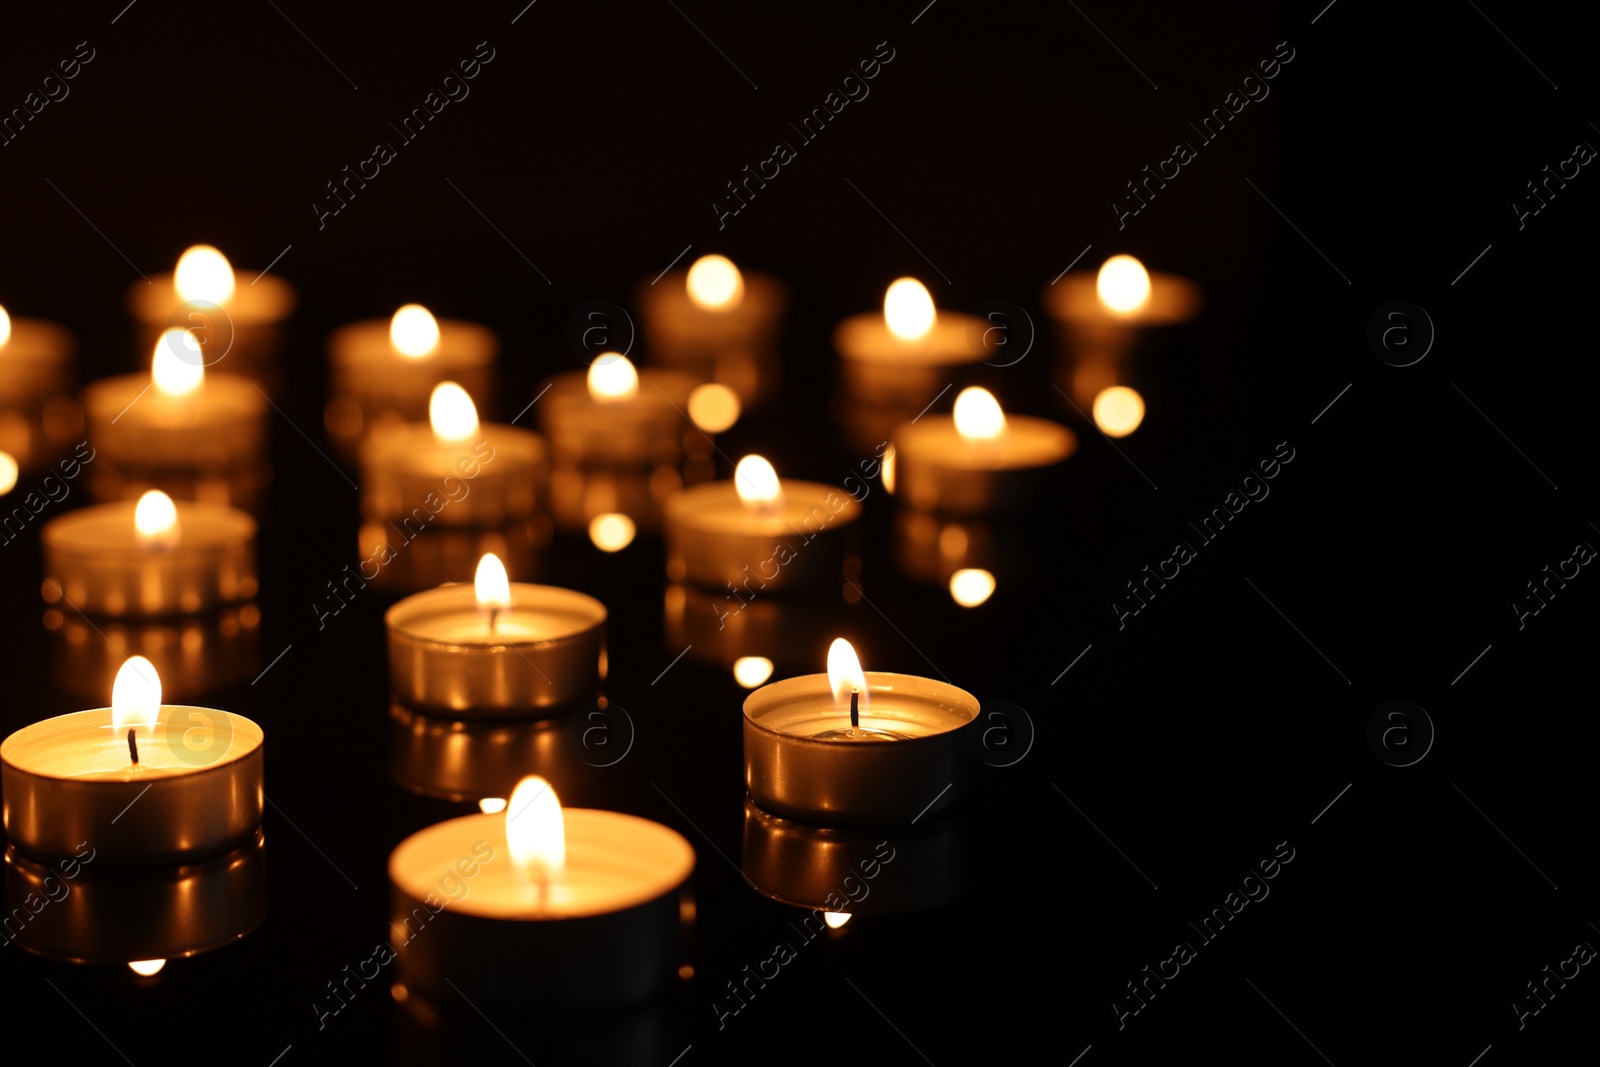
736	346
545	654
114	917
801	542
69	779
371	383
38	417
95	561
607	936
208	445
924	771
254	314
495	477
643	429
937	469
884	369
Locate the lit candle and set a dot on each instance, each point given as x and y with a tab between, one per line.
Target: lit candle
496	648
976	459
614	415
180	783
149	558
381	372
757	532
38	419
1118	411
194	435
453	470
901	355
560	907
717	323
250	326
851	747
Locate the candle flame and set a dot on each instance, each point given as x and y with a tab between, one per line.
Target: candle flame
978	415
908	309
5	327
888	470
971	586
490	586
757	484
845	675
492	805
8	473
835	919
414	332
146	968
751	671
612	377
155	518
452	413
135	696
536	834
1118	411
203	273
612	531
1123	284
715	283
175	374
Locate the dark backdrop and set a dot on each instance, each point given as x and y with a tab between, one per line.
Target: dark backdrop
1220	721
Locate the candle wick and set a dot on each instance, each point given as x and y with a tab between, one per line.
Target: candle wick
133	746
494	615
855	709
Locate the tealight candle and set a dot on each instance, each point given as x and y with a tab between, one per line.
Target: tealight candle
717	324
203	280
382	371
1122	294
899	356
850	747
179	783
564	908
194	435
149	558
977	459
452	471
614	415
781	534
498	648
37	416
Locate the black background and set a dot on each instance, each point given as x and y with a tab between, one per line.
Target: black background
1196	738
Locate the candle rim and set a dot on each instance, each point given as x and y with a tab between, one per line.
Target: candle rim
59	533
415	609
795	490
462	343
999	453
755	705
253	741
866	338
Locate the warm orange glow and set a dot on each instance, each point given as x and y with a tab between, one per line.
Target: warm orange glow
1123	284
612	531
971	586
155	519
203	274
174	374
414	332
492	805
490	586
845	675
715	283
146	968
713	407
908	309
136	696
888	470
452	413
835	919
612	377
757	484
8	473
978	415
5	327
536	834
751	671
1118	411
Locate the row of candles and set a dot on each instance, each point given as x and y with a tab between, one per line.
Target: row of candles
846	748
